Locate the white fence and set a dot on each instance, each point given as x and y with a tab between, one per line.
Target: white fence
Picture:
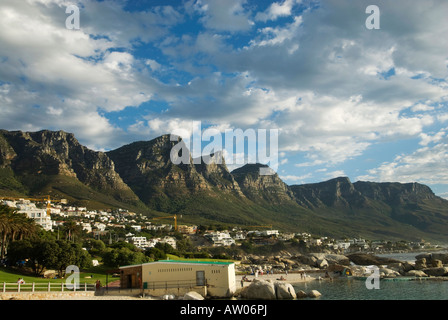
47	287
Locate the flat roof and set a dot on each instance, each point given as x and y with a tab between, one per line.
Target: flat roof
181	261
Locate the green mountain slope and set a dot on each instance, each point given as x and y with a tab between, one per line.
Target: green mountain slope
141	177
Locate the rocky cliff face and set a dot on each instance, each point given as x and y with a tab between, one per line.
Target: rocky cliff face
338	192
259	187
213	168
147	168
57	153
142	172
341	192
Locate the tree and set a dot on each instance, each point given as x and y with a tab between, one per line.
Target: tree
44	254
123	256
71	230
19	250
155	254
70	254
96	247
14	225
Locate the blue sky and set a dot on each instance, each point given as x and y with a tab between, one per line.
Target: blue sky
347	100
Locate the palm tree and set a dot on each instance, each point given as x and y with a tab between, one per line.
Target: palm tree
13	225
71	229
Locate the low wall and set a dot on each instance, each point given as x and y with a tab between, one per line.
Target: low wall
155	292
44	295
176	291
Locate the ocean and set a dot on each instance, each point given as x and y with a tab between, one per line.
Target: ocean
353	289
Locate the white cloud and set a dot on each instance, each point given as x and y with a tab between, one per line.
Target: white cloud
295	179
425	165
331	86
335	174
276	10
229	15
68	73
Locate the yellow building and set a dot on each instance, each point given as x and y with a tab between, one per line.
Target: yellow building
216	279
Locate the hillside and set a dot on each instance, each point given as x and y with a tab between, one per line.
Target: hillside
140	177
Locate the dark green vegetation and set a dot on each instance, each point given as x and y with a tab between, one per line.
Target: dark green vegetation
140	177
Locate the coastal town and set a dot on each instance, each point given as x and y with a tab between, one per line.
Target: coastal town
180	261
137	230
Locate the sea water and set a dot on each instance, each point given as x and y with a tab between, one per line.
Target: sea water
353	289
389	289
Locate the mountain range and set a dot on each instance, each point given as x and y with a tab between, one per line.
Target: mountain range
141	177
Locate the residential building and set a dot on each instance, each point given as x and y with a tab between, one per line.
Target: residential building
28	208
169	240
220	238
186	229
139	242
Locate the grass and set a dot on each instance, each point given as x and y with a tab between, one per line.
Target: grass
90	276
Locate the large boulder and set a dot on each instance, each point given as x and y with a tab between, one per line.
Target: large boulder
321	264
426	256
436	263
330	257
314	294
284	290
259	290
420	264
440	256
364	259
193	295
301	294
337	259
416	273
389	273
436	272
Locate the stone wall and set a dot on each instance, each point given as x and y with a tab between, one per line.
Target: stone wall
44	295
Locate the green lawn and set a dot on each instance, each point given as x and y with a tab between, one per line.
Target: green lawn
86	276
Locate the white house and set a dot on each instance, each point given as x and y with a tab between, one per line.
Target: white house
220	238
140	242
38	215
86	226
137	228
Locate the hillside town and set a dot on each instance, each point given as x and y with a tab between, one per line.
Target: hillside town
138	229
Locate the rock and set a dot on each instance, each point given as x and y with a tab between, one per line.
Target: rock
388	273
284	290
368	259
314	294
420	264
192	295
301	294
436	272
407	266
416	273
337	259
426	256
440	256
259	290
168	297
436	263
321	264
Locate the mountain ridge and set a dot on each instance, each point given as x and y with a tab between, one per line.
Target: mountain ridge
141	176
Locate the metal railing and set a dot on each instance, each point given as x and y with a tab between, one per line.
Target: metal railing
174	284
46	287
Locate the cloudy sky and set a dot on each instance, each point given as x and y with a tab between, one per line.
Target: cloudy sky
347	100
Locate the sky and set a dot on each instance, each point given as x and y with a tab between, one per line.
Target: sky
347	99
